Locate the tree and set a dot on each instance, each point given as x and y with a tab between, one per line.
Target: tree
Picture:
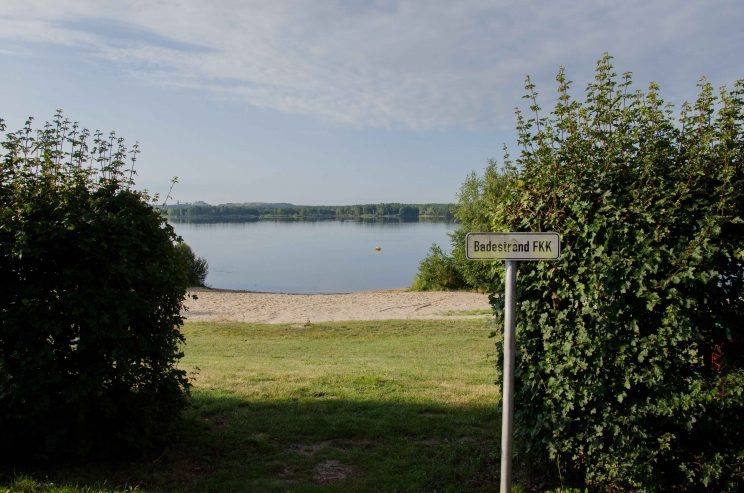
629	356
477	201
90	299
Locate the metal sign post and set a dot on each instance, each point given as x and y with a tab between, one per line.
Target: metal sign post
507	389
510	247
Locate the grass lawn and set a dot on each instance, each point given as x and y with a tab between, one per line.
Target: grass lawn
347	406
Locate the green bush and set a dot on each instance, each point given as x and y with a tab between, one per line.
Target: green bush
90	298
477	199
437	272
629	356
196	267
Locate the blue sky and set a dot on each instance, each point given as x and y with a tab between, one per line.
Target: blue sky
336	102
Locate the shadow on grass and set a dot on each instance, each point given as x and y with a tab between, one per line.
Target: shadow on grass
311	443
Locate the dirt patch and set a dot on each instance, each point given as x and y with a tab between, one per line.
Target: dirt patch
429	442
218	421
184	473
310	449
332	470
287	474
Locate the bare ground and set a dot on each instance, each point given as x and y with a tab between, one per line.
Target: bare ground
240	306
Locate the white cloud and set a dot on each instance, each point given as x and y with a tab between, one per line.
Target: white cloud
417	64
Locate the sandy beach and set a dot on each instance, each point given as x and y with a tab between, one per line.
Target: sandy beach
225	306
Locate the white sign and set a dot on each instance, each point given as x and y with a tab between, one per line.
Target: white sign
513	246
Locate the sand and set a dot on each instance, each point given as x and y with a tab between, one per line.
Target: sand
225	306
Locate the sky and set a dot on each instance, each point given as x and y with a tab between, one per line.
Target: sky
321	102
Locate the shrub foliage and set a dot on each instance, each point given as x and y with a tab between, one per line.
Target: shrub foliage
90	298
437	272
477	200
196	267
629	356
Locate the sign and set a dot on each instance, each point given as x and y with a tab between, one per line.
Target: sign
510	247
513	246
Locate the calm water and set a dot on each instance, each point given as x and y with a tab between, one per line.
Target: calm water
313	257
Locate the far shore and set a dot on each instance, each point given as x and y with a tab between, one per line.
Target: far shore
226	305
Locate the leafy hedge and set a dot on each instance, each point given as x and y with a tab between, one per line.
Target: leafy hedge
629	348
90	296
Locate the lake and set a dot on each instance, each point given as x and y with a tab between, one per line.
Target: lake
313	257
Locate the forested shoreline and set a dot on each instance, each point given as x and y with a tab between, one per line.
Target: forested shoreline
201	212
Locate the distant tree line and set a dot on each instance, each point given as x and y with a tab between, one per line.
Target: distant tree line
201	212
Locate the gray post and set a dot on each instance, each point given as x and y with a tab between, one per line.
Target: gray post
507	389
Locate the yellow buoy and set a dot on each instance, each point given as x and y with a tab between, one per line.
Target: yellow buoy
378	248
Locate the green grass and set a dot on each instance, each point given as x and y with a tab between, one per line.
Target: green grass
457	313
348	406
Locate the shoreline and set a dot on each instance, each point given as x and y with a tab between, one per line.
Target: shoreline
226	305
229	290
